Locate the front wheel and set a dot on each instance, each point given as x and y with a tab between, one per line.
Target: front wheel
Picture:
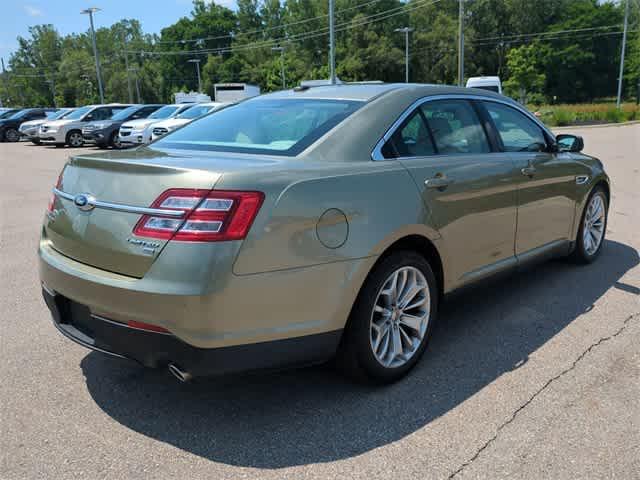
35	141
74	139
115	141
593	226
391	320
12	135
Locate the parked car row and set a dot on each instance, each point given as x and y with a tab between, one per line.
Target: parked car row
114	125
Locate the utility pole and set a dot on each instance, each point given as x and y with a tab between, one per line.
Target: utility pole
461	43
332	44
135	71
90	11
5	83
624	47
281	50
126	66
52	86
406	31
197	62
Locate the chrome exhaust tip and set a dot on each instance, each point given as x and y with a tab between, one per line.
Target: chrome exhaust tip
179	374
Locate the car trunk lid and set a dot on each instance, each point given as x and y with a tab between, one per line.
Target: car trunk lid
102	236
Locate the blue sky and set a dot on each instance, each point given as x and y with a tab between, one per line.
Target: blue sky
18	16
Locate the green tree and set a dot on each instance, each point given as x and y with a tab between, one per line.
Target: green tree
525	79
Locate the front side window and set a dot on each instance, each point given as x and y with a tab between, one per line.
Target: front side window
98	114
517	132
455	127
270	126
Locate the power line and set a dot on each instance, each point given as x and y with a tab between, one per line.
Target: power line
563	37
366	20
266	29
507	37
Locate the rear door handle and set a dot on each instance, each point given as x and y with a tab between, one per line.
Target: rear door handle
438	182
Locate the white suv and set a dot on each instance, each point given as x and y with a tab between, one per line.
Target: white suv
68	131
195	111
138	132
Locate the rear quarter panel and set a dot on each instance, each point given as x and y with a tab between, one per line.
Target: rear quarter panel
378	200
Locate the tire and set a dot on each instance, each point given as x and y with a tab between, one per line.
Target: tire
11	135
35	141
357	355
586	251
114	141
74	139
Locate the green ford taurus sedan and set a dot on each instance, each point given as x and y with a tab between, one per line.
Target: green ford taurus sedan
311	224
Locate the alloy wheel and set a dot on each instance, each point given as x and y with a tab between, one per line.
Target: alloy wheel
12	135
593	227
76	140
400	317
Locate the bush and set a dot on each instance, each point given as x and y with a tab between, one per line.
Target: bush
563	117
584	114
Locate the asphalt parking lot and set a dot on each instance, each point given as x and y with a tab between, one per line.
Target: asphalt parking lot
537	376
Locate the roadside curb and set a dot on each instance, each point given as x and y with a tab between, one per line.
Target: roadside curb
573	127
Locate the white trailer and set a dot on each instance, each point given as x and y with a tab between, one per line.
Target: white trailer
234	92
191	97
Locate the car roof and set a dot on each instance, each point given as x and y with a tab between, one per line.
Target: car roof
367	92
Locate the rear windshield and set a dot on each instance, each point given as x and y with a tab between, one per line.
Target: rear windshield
269	126
164	112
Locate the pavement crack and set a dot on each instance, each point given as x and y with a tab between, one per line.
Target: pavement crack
513	416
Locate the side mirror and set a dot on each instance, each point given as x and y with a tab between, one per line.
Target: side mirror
569	143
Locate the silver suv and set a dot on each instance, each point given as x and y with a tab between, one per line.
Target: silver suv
68	131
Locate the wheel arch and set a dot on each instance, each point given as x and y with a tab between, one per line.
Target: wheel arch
605	186
413	242
424	247
68	134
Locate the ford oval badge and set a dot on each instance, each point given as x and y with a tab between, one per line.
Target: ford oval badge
84	202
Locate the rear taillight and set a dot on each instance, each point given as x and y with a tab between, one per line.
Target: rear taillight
209	215
52	199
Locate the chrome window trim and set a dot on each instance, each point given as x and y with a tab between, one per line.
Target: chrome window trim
119	207
376	154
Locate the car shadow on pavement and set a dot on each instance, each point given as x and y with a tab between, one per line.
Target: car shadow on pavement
312	415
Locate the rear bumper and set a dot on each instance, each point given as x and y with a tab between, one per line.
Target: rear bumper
205	305
153	349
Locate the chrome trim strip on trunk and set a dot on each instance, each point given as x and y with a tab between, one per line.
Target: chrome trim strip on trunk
119	207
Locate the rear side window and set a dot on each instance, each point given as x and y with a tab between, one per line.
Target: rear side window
517	132
455	127
269	126
412	139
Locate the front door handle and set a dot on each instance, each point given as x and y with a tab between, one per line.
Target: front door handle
440	182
